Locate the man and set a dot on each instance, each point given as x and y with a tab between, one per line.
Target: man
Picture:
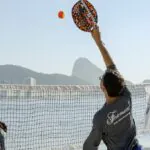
2	142
114	123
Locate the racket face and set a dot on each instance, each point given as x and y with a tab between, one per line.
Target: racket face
81	16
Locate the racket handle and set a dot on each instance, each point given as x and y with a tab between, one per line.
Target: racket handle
94	26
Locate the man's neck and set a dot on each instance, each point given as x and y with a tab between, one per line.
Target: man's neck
111	100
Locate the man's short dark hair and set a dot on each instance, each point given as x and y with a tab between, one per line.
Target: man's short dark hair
112	83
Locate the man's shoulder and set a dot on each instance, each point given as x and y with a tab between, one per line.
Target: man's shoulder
99	115
125	92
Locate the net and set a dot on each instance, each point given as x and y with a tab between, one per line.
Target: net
56	117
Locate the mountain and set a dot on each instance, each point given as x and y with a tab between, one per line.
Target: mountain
88	72
17	74
83	73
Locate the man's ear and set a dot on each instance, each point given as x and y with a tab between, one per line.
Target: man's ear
102	87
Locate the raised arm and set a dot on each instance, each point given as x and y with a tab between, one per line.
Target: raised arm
105	54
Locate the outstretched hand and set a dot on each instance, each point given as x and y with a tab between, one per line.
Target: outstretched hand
3	126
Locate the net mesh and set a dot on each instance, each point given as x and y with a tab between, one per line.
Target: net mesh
56	117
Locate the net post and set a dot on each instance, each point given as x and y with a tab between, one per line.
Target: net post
147	115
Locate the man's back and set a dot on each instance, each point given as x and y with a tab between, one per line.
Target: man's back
116	122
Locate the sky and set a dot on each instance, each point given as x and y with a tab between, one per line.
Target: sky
32	36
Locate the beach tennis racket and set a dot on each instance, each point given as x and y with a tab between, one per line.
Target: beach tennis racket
84	15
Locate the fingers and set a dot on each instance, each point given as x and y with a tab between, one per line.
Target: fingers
94	26
95	30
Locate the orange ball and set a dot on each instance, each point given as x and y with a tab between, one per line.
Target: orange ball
61	14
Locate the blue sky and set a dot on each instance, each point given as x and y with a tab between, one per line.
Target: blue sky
32	36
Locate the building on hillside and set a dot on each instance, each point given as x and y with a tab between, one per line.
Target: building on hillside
29	81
